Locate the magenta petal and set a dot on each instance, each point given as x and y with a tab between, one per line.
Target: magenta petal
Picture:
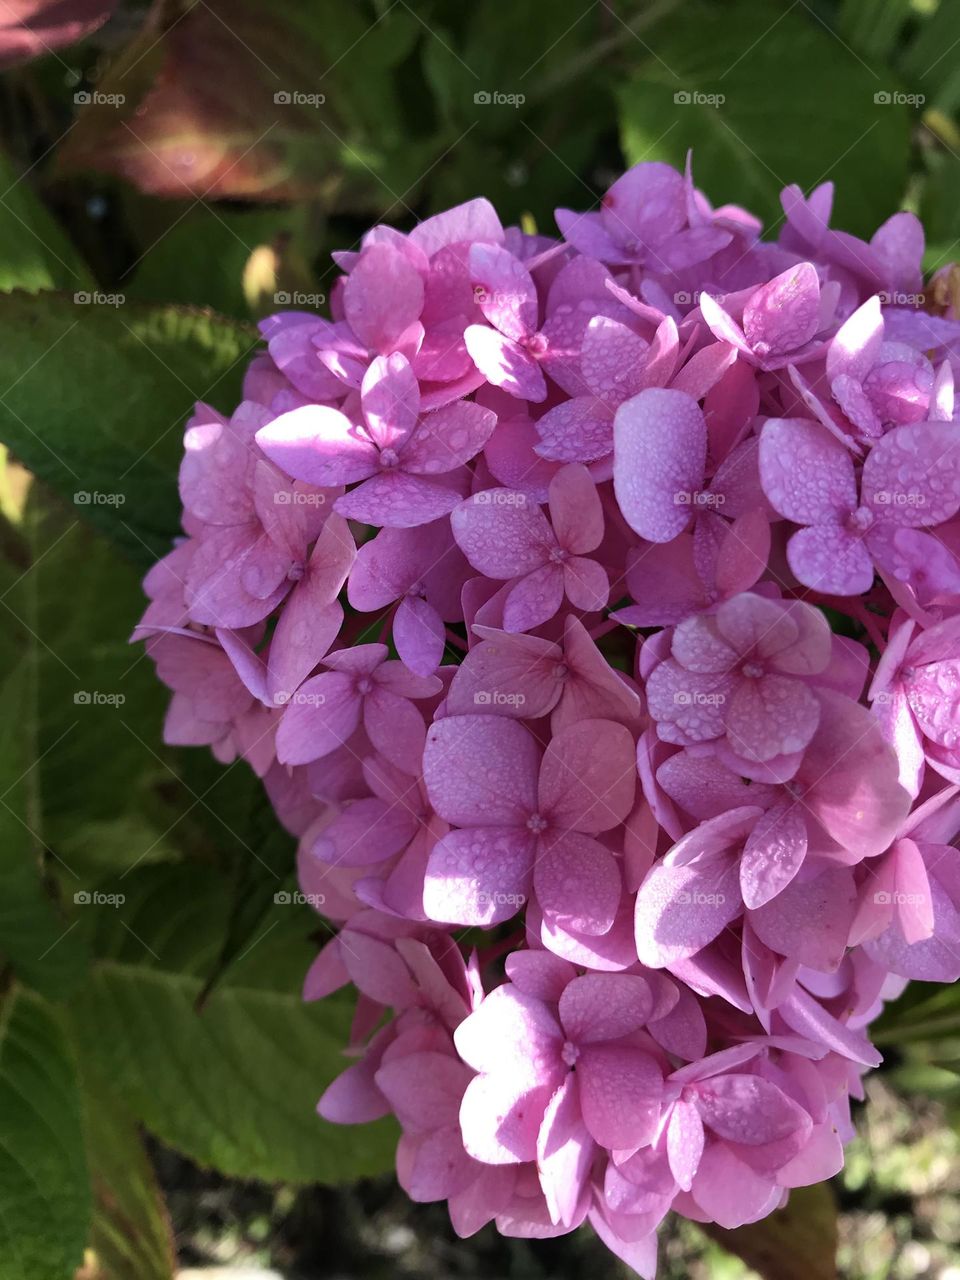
319	445
419	634
578	883
588	776
502	532
382	296
481	770
604	1006
620	1091
829	559
322	716
505	364
806	473
685	1140
365	833
660	449
565	1152
393	499
784	314
773	854
534	599
390	397
396	728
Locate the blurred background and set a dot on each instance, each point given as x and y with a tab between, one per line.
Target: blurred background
169	172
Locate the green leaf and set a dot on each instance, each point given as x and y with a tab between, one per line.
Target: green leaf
130	1237
766	96
132	374
233	1087
798	1242
44	1191
34	252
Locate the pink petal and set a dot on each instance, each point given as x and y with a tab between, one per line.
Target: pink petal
448	437
575	510
783	924
534	599
773	854
829	559
419	634
382	296
503	290
565	1152
660	445
396	728
604	1006
784	314
505	364
620	1091
577	883
322	716
773	716
319	445
807	474
512	1034
482	770
478	876
588	776
367	832
500	1118
390	397
396	500
685	1141
912	475
502	533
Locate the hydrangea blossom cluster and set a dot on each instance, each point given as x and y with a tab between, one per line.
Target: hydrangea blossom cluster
590	608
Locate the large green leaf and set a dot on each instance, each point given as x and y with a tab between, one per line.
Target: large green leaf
44	1190
34	252
766	95
130	1237
97	395
233	1087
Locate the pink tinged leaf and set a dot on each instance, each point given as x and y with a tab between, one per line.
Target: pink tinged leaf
575	510
577	883
481	770
502	533
478	876
382	297
367	832
390	398
604	1006
419	634
620	1092
912	475
393	499
807	475
513	1034
319	445
660	444
773	854
784	923
685	1142
588	776
447	438
565	1152
504	363
773	716
323	715
784	314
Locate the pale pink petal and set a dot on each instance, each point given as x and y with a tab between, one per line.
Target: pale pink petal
807	474
322	715
478	876
578	883
784	314
773	854
829	559
512	1034
534	599
319	445
620	1091
390	397
396	500
660	444
500	1117
565	1152
382	297
830	899
685	1141
604	1006
588	776
447	438
504	363
502	533
481	769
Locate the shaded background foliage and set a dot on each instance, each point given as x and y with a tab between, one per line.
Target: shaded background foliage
169	172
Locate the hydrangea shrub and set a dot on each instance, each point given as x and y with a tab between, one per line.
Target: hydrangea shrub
590	609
